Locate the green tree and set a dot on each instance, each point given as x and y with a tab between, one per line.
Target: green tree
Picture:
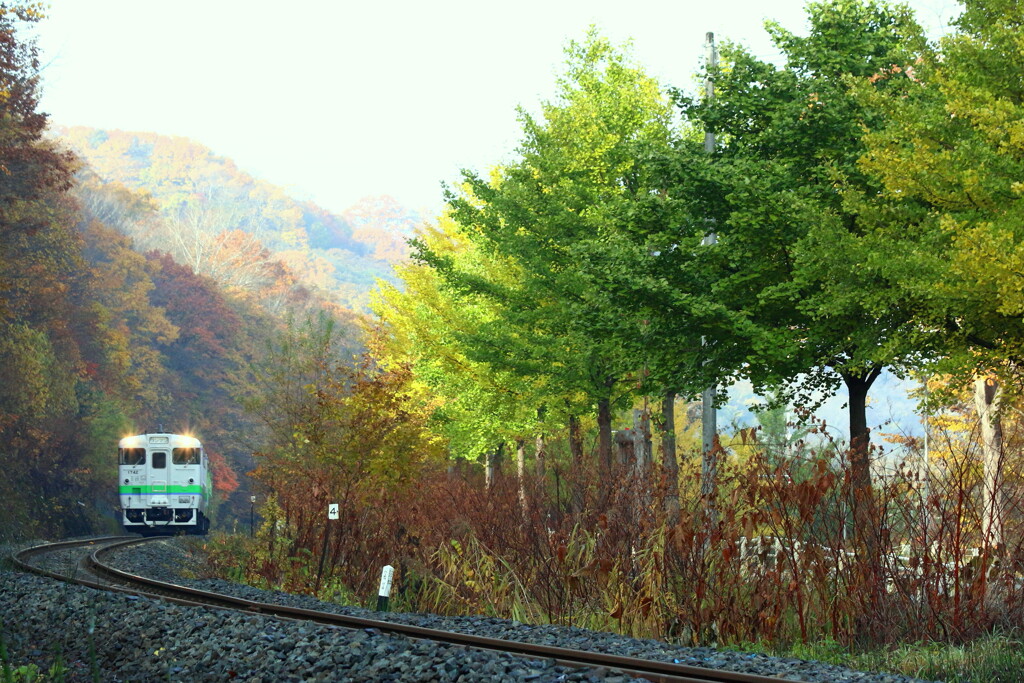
558	213
795	273
955	143
441	334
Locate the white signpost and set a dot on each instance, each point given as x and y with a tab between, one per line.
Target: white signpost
386	576
332	511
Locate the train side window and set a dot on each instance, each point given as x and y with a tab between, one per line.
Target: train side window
132	456
185	456
160	459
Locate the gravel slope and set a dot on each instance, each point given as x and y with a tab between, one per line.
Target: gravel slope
131	639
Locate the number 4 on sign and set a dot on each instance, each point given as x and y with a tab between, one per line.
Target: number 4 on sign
332	511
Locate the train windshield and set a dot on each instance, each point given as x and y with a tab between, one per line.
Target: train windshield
132	456
185	456
159	459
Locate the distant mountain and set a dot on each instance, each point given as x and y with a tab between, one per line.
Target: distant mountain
204	196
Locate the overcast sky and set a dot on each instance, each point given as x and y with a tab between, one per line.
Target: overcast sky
339	100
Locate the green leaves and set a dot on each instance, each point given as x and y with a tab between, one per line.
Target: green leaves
954	143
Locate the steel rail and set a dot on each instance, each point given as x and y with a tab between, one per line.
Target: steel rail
653	670
21	558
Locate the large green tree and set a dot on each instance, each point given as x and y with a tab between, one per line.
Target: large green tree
559	213
796	267
450	340
955	141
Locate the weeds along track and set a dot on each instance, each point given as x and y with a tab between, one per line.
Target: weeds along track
82	562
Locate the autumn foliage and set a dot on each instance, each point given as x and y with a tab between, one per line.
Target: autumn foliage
241	231
780	563
807	228
97	338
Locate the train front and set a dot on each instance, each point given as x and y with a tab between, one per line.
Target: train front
163	484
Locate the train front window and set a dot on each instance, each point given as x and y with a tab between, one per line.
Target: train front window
159	459
132	456
185	456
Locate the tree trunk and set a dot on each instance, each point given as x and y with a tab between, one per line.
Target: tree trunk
540	448
987	395
604	437
710	447
709	480
521	472
642	456
576	451
575	441
860	436
866	525
540	457
669	462
494	465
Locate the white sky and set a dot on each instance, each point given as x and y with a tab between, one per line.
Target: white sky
339	100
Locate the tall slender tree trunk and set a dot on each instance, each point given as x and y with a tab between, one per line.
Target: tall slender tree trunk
711	449
669	460
494	465
604	437
987	395
575	441
540	456
576	452
521	472
642	458
709	481
540	448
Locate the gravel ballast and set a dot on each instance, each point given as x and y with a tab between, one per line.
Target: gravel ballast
135	639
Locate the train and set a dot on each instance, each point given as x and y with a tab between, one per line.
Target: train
165	484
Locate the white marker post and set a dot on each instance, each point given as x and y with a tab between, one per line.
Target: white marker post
384	593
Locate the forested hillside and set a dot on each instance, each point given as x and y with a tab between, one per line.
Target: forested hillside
123	310
208	211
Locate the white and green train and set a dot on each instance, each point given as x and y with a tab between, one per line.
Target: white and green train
164	482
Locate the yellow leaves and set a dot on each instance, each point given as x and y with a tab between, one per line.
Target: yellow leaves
26	11
988	260
951	423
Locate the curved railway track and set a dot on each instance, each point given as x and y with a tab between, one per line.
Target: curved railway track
89	569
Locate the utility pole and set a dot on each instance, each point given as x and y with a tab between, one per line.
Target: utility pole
709	425
711	57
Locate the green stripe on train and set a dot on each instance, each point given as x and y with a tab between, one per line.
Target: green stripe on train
169	490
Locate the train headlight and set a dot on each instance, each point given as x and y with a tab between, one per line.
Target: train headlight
191	481
126	481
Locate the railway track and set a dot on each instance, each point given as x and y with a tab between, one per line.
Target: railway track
82	562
